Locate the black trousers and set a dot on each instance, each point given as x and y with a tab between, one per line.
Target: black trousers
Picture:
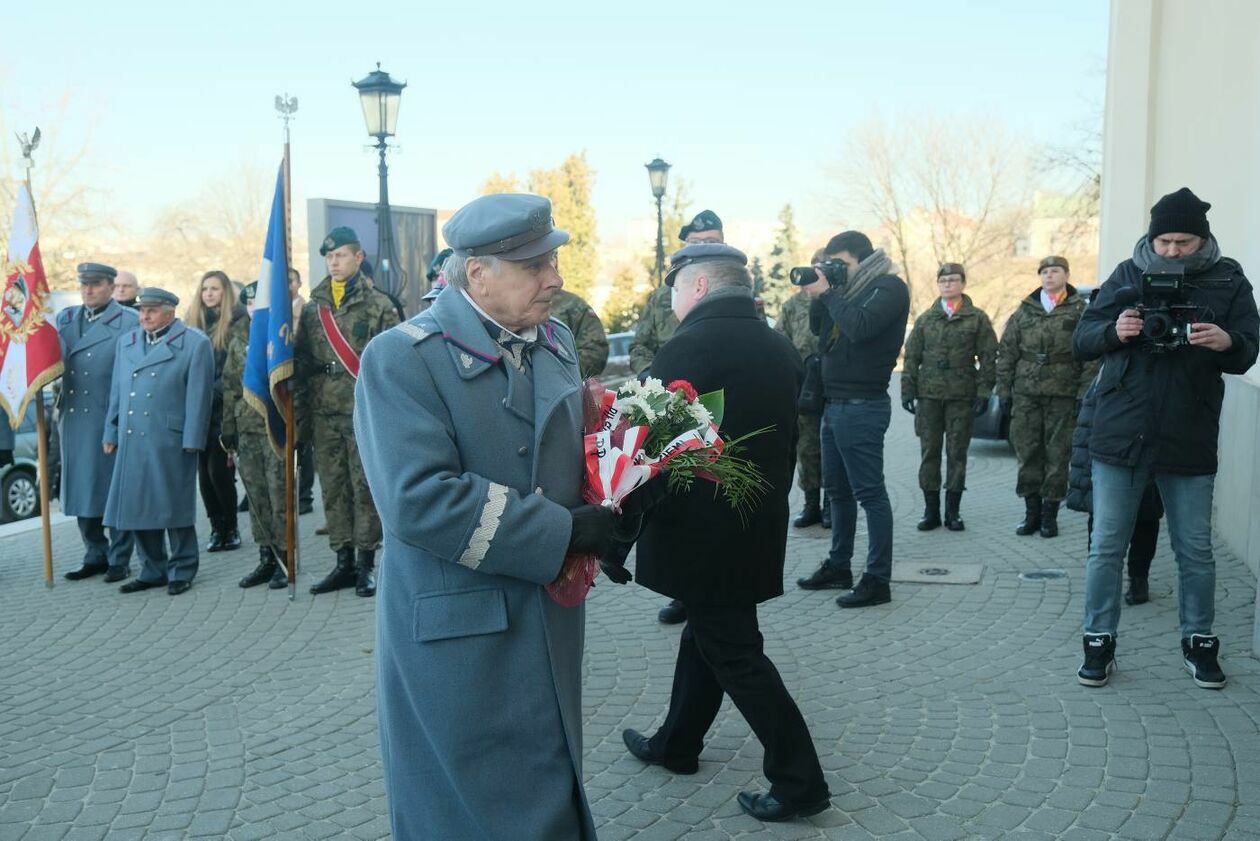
721	652
217	478
306	472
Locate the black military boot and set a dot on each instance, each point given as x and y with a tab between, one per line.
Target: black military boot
1050	518
263	572
280	578
811	514
341	576
952	521
364	581
869	591
826	510
1032	516
829	576
231	540
931	511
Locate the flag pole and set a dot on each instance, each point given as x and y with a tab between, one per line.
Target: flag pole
41	424
287	106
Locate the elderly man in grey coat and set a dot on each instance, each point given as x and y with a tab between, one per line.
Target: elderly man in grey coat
89	338
469	418
159	416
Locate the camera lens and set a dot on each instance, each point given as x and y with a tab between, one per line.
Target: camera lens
1157	325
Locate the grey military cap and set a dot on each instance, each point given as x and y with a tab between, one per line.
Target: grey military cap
96	272
510	226
701	252
152	296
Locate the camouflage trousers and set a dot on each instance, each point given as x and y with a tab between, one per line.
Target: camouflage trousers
1041	433
262	471
351	515
809	452
947	421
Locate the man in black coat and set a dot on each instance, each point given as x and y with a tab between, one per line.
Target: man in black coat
695	548
1158	416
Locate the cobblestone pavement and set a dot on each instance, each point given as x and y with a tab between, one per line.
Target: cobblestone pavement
952	712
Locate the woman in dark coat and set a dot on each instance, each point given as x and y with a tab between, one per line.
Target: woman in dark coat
1080	497
213	311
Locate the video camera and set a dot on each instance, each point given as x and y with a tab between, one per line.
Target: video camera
835	271
1166	311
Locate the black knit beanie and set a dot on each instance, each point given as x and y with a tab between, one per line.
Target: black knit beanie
1181	212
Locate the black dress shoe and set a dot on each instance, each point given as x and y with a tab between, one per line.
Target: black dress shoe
829	576
231	541
140	584
177	587
305	507
216	542
116	574
640	747
673	613
869	591
86	571
767	807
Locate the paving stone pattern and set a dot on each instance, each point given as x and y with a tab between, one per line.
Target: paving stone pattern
951	713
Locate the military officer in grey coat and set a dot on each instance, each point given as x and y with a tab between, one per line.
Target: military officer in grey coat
89	338
469	418
159	416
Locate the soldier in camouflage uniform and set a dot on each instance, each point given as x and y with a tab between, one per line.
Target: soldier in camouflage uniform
948	374
588	331
794	323
657	322
656	326
326	410
244	434
1042	383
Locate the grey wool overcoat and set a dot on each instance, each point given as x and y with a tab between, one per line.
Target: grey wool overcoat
87	349
159	408
473	467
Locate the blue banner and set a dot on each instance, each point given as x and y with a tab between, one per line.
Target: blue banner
269	360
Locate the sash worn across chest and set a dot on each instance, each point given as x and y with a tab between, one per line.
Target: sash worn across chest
341	348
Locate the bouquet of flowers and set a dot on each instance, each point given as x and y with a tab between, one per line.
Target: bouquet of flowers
647	429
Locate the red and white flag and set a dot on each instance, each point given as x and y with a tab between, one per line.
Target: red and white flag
30	352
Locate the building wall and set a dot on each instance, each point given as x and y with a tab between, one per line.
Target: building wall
1183	109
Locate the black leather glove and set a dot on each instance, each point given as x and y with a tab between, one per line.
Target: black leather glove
616	572
980	405
908	405
645	497
229	442
592	532
6	457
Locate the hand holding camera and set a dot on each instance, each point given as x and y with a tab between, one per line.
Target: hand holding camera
820	277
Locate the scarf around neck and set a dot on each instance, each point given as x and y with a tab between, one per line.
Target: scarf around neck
1145	258
877	264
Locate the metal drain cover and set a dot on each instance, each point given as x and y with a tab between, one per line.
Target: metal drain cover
933	571
1042	575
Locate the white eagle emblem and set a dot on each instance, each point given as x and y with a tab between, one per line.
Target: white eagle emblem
465	360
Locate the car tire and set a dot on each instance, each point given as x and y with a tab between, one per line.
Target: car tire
19	495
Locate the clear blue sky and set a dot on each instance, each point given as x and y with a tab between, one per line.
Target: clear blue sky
750	102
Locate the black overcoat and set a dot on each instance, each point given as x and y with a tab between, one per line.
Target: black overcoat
694	547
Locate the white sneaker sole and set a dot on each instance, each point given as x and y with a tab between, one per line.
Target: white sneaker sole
1086	681
1206	684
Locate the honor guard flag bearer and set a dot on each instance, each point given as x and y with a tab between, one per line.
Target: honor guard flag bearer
269	359
30	352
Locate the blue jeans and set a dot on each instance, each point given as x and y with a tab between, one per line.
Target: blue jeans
853	472
1188	503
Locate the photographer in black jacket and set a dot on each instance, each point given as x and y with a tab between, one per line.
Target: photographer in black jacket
859	312
1167	323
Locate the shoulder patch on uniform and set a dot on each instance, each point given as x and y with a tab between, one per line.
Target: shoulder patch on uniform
420	327
415	331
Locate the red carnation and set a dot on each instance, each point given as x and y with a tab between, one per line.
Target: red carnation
685	387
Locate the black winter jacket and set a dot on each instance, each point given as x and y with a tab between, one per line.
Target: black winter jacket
1166	407
860	340
1080	495
694	547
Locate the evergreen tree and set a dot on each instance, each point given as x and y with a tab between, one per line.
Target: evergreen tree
569	188
783	256
758	276
625	300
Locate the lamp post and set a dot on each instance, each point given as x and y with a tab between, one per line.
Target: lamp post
379	95
658	174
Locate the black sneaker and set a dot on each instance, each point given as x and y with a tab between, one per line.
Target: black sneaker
1199	653
829	576
1100	660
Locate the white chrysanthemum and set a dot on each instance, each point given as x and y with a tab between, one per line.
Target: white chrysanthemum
631	387
653	387
634	402
702	415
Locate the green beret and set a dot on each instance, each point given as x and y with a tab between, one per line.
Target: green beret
337	237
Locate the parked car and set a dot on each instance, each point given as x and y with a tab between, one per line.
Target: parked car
994	424
617	371
19	481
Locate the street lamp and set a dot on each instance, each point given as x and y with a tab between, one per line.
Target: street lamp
379	95
658	174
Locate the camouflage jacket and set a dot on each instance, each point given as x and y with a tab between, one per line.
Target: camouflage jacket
950	357
656	326
794	323
1035	357
587	329
324	386
239	418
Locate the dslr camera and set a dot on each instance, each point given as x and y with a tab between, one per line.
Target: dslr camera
1166	311
836	272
